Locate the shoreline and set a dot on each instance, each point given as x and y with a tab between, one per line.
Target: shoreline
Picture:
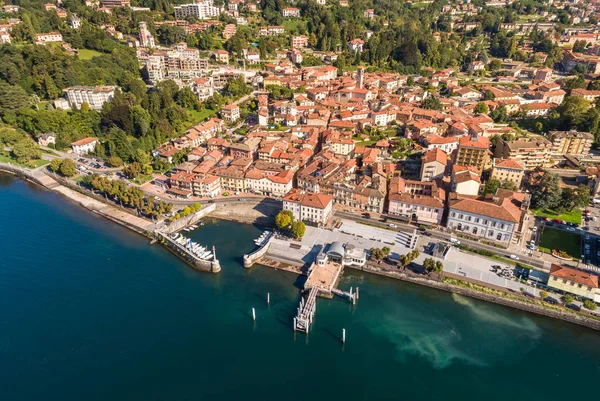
290	268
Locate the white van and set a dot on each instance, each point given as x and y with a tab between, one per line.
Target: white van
454	241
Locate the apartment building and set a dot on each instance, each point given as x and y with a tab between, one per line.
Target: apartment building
309	207
531	153
433	164
571	142
473	151
290	12
43	38
201	10
230	113
94	96
419	201
84	146
508	170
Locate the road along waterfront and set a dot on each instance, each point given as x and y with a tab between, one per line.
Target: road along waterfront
88	307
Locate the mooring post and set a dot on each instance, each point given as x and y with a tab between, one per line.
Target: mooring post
253	314
268	298
295	324
356	292
343	335
350	291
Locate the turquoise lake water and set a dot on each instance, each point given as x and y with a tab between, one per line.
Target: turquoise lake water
90	311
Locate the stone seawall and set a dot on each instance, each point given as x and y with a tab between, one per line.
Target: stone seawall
189	220
22	173
251	258
513	303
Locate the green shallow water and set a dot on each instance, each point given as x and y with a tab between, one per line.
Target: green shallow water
90	311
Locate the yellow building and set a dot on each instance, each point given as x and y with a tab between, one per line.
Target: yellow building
473	152
571	142
508	170
573	281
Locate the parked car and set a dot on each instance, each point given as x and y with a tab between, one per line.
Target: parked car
392	225
514	257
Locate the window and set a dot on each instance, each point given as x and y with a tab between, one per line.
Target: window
468	218
502	226
474	230
460	216
491	233
499	237
476	219
564	281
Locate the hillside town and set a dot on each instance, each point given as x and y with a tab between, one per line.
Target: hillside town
486	129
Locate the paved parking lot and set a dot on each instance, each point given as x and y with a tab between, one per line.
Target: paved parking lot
366	237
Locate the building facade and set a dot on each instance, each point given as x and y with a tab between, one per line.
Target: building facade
309	207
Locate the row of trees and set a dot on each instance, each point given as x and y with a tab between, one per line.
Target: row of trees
285	221
186	211
131	196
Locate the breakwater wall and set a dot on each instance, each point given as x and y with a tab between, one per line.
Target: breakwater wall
251	258
472	293
193	218
211	266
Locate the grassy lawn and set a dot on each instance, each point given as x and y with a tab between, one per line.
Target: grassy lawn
365	143
141	179
195	117
573	216
10	160
87	54
290	24
553	238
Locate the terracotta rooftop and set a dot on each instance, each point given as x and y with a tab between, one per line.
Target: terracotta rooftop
577	276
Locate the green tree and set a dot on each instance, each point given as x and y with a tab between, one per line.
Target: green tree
26	149
55	165
567	299
115	161
499	115
283	219
546	194
432	103
133	170
433	266
543	294
481	108
68	168
589	304
298	229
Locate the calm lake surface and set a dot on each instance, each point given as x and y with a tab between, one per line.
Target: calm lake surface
90	311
